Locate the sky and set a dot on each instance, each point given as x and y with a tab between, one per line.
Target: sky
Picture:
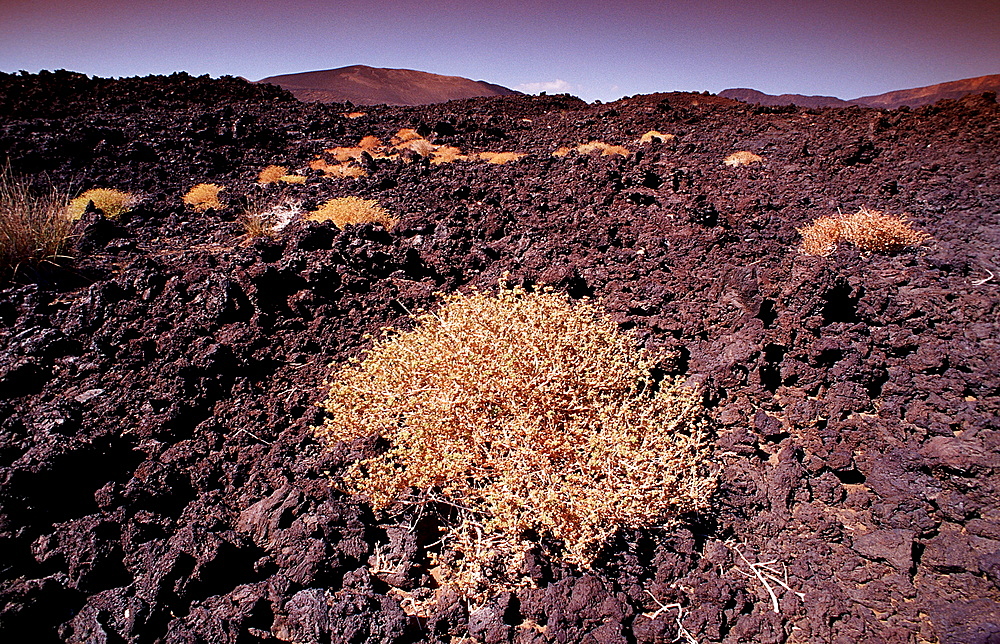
593	49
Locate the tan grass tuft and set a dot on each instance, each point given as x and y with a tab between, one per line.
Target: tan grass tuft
271	174
370	143
404	135
605	149
499	158
355	115
561	152
821	237
742	157
352	210
423	147
204	196
34	226
654	135
530	411
113	203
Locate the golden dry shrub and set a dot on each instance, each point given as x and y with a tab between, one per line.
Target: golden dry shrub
113	203
821	237
271	174
404	135
446	154
562	151
344	154
875	231
352	210
743	157
534	413
355	115
499	158
654	135
204	196
370	143
606	149
421	146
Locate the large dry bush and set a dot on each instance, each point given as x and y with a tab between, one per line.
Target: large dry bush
34	224
534	414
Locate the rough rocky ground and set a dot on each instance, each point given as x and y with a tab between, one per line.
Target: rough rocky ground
158	478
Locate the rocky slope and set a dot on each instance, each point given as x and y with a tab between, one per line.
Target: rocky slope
363	85
159	481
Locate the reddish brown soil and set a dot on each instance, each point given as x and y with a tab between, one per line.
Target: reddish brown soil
158	478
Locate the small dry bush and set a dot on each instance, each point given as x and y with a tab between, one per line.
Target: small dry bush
371	143
269	220
278	173
204	196
423	147
352	210
535	415
338	170
868	229
34	226
654	135
404	135
561	152
355	115
499	158
113	203
742	157
446	154
606	149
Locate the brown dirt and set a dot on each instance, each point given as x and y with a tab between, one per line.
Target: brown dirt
158	478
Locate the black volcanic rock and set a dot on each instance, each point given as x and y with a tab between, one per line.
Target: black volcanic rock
363	85
159	480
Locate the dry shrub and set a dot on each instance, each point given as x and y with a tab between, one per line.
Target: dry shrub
342	155
654	135
272	174
446	154
352	210
534	414
605	149
268	220
204	196
423	147
113	203
404	135
561	152
355	115
499	158
868	229
34	226
821	237
370	143
742	158
339	170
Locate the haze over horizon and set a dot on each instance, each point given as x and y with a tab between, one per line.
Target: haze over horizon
595	50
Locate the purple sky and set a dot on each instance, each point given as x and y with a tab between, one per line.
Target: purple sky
593	49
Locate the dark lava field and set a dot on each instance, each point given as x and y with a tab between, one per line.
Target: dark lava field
159	478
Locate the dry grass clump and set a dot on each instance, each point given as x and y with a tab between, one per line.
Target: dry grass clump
499	158
404	135
371	143
562	151
204	196
742	157
278	173
34	226
421	146
338	170
606	149
352	210
868	229
534	414
446	154
269	220
654	135
113	203
355	115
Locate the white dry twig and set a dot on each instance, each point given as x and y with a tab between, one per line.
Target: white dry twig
682	633
766	575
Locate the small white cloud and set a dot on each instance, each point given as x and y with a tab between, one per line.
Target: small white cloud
557	86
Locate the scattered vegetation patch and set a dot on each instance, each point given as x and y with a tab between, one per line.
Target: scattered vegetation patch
352	210
534	416
338	170
869	229
742	157
113	203
34	226
204	196
404	135
355	115
446	154
267	221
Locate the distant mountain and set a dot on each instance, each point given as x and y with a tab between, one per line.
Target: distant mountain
760	98
363	85
932	93
890	100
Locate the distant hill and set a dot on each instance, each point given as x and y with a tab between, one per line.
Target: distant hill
760	98
890	100
363	85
